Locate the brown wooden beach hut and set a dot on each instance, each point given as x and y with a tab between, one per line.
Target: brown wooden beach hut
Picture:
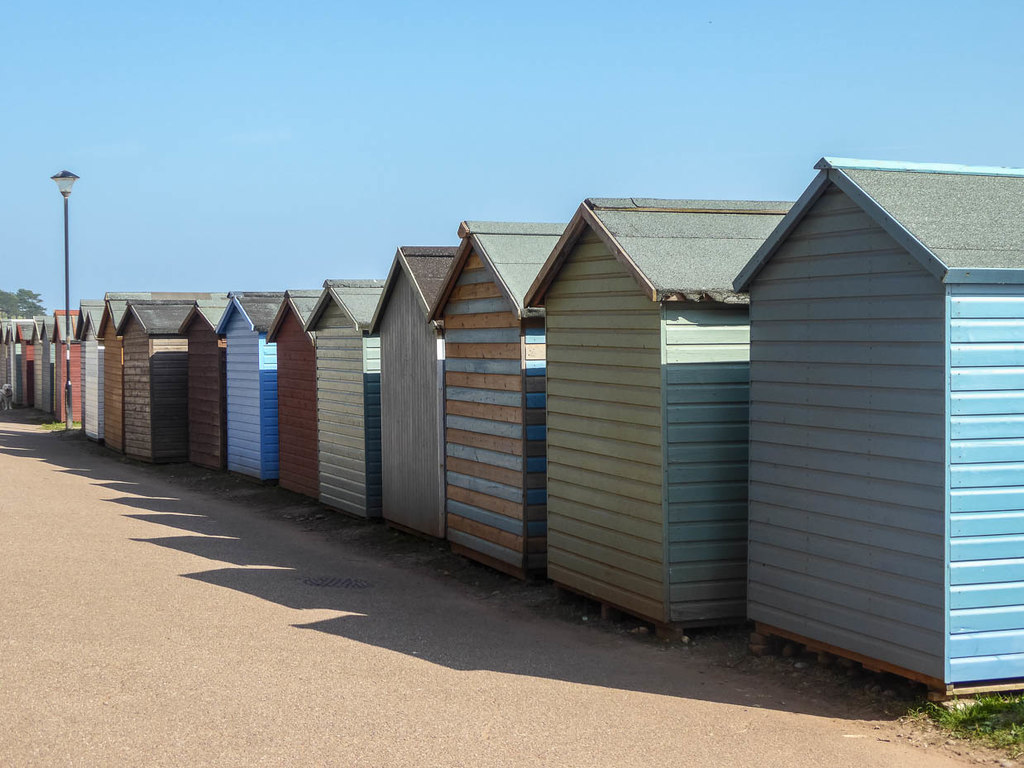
296	393
412	390
25	393
115	306
63	348
155	357
494	390
207	395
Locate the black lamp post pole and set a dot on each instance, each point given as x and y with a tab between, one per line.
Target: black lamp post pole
67	322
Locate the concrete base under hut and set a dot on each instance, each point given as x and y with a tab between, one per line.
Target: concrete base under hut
768	639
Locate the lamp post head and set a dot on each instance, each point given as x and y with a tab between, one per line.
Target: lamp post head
64	179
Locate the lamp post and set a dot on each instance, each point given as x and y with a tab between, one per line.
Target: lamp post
65	180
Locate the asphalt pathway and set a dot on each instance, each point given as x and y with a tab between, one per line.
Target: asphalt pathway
146	623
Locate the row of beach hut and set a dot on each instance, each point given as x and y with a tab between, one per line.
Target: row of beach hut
698	412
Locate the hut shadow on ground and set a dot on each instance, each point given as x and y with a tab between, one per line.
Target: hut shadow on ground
395	604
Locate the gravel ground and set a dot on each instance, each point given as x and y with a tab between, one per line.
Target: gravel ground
173	616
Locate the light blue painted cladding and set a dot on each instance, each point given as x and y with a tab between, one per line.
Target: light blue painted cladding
986	483
270	461
706	382
847	442
244	395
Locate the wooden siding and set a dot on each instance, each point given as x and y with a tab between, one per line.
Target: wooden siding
207	397
44	376
986	479
28	376
138	433
113	392
169	397
60	382
244	399
706	374
92	388
348	415
412	459
604	463
296	409
847	442
269	440
494	443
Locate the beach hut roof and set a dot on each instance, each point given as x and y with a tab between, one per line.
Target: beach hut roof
24	329
513	252
42	328
90	311
961	222
57	331
257	307
357	298
158	317
426	266
206	311
676	250
299	302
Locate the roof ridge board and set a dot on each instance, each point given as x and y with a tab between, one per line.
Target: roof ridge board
854	164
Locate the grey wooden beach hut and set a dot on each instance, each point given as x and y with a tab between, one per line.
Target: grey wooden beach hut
89	314
412	390
494	395
41	340
348	396
887	421
648	354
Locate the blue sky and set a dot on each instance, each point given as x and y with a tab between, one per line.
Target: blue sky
269	145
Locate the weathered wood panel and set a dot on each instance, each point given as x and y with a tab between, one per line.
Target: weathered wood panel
834	494
207	397
494	436
28	375
412	459
169	398
348	415
296	409
60	381
113	392
604	431
138	434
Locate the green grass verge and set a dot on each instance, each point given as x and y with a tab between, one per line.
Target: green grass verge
56	426
997	721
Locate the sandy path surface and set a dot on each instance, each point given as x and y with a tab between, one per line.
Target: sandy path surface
147	623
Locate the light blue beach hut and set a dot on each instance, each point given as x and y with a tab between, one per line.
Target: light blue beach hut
252	445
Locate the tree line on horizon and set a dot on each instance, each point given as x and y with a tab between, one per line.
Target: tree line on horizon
21	303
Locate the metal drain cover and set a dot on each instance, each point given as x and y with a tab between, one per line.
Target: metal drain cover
335	582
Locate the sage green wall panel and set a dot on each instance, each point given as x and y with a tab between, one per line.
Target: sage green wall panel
605	531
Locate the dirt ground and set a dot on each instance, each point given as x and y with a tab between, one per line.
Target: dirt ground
168	615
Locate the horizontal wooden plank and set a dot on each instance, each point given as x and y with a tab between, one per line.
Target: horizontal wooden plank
510	445
508	414
495	351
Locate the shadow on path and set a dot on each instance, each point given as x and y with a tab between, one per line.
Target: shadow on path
401	605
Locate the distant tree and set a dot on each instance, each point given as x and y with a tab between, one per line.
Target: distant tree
30	303
22	303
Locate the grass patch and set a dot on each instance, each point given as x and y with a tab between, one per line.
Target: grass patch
997	721
56	426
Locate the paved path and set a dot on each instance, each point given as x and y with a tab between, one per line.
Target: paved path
147	624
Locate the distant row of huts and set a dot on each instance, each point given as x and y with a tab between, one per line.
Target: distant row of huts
695	411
